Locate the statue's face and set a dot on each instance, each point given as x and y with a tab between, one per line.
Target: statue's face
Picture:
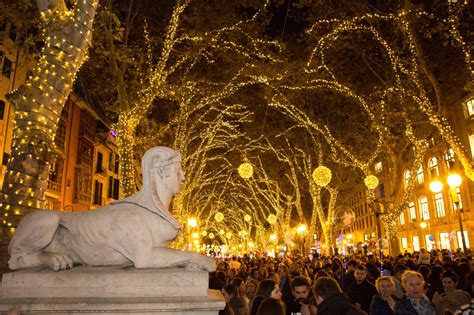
176	178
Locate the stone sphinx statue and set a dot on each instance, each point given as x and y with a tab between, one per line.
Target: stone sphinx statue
132	231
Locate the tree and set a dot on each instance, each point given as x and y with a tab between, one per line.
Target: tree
38	103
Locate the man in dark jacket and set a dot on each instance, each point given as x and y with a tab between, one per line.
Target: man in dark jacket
301	290
361	291
331	300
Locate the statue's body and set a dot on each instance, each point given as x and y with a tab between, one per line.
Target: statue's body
132	231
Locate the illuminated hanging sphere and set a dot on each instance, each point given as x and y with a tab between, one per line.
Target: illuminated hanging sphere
204	233
211	235
272	219
436	186
243	233
322	176
246	170
219	217
221	232
371	181
247	218
228	235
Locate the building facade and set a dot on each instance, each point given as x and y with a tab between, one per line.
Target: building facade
431	219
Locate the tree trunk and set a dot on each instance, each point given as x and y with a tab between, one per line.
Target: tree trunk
126	144
38	104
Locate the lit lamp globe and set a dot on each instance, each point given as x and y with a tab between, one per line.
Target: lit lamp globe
454	180
322	176
192	222
245	170
211	235
436	186
272	219
273	237
423	225
247	218
219	217
371	181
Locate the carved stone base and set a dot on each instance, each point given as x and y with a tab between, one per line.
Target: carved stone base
110	290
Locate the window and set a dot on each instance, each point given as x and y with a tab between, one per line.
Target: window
56	175
7	67
98	193
99	168
412	210
382	190
470	107
444	241
424	209
82	185
6	156
420	175
378	167
439	202
116	164
116	189
416	243
85	152
433	164
110	191
402	218
466	238
471	144
449	158
404	243
455	208
111	161
2	109
407	178
60	138
428	241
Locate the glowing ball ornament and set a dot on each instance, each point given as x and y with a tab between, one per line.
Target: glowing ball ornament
219	217
245	170
371	181
221	232
322	176
228	235
247	218
211	235
204	233
272	219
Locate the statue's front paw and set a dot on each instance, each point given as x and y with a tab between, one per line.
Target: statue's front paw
60	261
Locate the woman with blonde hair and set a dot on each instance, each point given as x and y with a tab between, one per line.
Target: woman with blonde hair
414	301
384	302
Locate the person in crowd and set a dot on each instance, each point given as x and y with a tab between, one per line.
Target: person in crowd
434	281
255	274
331	300
235	305
301	290
239	283
285	280
398	272
424	258
384	302
234	263
251	288
414	302
349	276
266	289
271	306
361	291
450	298
373	268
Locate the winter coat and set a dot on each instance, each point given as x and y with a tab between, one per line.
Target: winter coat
362	293
338	304
380	307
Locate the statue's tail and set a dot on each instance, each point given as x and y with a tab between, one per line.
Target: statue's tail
34	233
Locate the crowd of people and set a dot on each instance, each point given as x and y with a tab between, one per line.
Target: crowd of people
425	283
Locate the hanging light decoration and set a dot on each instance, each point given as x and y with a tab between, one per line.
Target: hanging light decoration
204	233
211	235
247	218
322	175
219	217
221	232
245	170
272	219
228	235
371	181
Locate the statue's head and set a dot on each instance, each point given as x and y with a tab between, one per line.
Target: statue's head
161	168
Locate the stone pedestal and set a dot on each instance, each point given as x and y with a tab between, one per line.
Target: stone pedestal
110	290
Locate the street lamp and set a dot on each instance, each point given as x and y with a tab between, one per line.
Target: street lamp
454	181
301	229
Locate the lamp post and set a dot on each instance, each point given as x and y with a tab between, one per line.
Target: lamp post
301	230
454	181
